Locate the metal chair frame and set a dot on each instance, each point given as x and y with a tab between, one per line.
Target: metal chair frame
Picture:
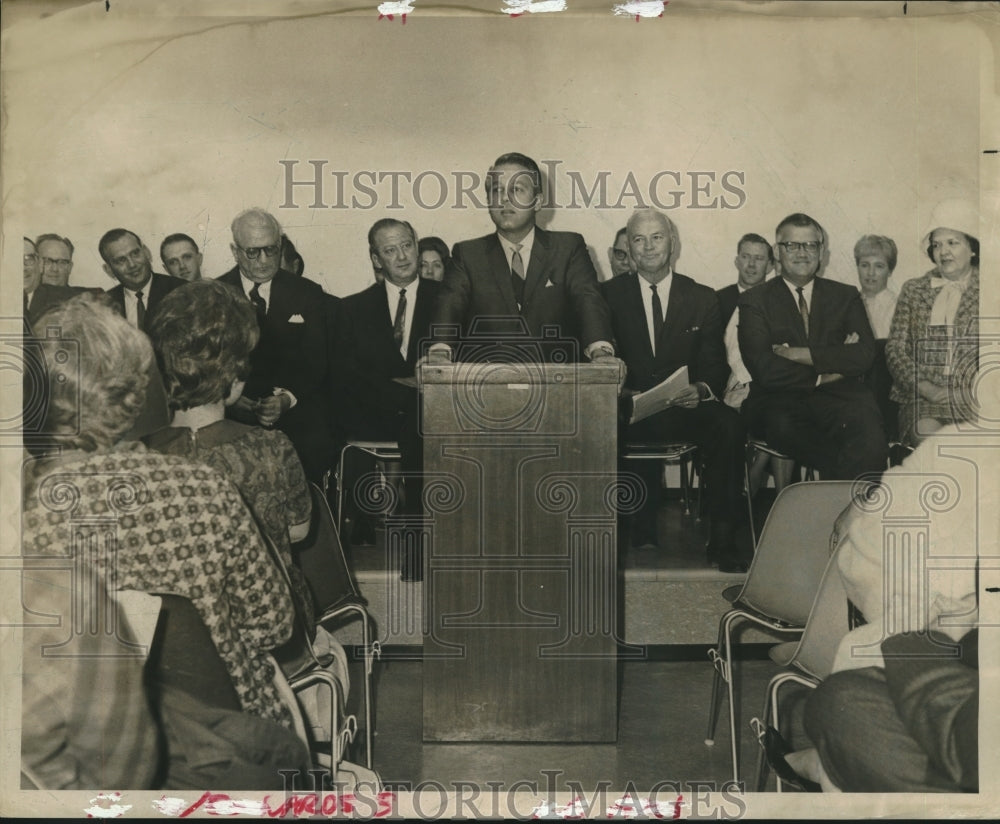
345	600
380	450
680	453
781	584
810	660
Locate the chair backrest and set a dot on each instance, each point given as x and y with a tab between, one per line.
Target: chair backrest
826	625
794	549
321	558
184	656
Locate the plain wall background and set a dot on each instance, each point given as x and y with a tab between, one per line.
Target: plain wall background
171	124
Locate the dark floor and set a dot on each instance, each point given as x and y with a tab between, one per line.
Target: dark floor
663	712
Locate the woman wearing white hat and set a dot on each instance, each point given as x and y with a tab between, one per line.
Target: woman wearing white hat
933	347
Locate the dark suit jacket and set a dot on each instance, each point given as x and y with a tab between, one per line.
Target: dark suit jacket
291	354
46	297
728	295
561	290
158	286
691	335
769	315
370	359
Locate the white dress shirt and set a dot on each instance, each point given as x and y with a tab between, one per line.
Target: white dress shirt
392	293
132	302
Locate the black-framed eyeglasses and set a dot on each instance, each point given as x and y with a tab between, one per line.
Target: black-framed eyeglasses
253	252
60	262
620	255
811	246
30	257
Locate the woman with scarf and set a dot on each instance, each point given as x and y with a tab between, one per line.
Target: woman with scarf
933	346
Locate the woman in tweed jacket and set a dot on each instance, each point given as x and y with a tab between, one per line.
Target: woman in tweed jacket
933	347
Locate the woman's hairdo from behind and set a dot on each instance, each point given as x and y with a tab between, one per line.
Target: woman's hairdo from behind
203	333
98	369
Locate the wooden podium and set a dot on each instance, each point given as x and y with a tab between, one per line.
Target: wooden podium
521	585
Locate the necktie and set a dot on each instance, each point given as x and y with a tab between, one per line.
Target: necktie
657	316
258	303
399	324
140	311
517	275
803	309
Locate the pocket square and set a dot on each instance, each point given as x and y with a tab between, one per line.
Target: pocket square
693	329
549	283
296	319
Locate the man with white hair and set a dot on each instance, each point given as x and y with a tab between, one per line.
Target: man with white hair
290	381
662	321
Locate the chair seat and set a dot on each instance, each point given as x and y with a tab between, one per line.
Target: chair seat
782	654
762	446
663	451
732	593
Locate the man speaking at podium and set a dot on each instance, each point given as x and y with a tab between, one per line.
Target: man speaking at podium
521	282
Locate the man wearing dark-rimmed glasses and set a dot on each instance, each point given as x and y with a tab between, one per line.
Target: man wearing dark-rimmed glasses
290	381
807	344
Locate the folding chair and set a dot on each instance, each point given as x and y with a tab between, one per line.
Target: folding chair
335	592
679	453
303	668
781	583
380	450
809	660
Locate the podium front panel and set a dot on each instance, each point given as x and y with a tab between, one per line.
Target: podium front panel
521	586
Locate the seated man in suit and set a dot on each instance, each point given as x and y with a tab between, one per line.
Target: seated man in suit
55	254
382	334
40	296
807	343
619	255
754	259
663	320
139	289
522	279
290	384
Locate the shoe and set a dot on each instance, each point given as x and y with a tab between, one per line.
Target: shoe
643	536
775	750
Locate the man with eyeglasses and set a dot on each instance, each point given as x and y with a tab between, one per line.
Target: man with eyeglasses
807	344
39	296
140	289
55	254
290	385
619	256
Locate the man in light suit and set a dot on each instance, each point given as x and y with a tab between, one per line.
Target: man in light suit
383	332
290	385
662	321
521	279
807	344
139	289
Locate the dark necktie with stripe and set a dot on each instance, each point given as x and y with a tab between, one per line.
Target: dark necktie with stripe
399	324
258	303
657	317
140	312
517	275
803	309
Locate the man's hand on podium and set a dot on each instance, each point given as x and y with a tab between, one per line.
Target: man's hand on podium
608	358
